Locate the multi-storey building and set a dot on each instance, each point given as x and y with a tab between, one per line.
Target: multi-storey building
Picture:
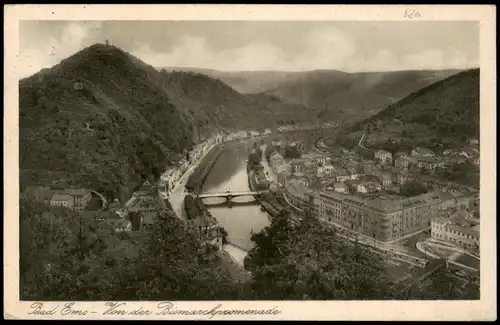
74	199
297	193
457	230
382	219
385	157
298	166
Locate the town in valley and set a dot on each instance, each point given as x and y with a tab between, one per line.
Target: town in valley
152	180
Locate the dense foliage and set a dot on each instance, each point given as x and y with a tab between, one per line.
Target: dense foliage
413	188
65	257
443	114
308	261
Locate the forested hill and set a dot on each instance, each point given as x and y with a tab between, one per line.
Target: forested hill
336	95
445	112
104	119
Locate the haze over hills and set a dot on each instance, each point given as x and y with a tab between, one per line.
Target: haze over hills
340	95
106	120
444	114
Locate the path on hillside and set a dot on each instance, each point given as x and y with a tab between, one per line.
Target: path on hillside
360	143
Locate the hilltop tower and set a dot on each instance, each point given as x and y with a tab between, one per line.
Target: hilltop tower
107	42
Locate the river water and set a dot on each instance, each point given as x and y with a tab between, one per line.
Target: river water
229	173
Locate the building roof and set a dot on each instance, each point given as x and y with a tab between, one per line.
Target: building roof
340	185
461	224
76	191
61	197
296	188
422	151
430	160
387	205
342	172
383	152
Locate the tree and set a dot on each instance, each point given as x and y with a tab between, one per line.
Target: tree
224	235
170	267
412	188
309	261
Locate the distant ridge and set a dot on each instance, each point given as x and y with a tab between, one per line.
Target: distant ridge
349	96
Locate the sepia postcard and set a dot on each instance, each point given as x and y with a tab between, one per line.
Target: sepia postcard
250	162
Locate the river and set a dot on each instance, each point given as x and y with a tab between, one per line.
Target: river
229	173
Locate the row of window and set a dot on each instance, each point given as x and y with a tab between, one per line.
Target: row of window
462	243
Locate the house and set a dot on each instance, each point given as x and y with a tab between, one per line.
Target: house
320	159
375	171
340	188
386	178
64	200
368	187
361	188
457	230
310	167
477	161
430	163
454	159
402	162
373	187
356	172
385	157
449	151
328	169
298	165
474	141
422	152
342	175
367	166
404	177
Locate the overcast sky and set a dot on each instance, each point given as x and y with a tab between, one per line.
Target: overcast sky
236	46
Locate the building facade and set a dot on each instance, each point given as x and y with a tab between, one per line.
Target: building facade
383	220
385	157
62	200
456	230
